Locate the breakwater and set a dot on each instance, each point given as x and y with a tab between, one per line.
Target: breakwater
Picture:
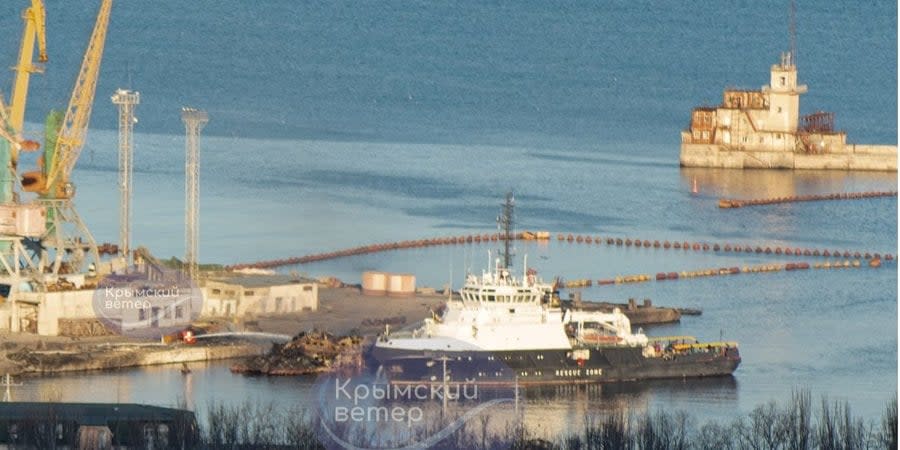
733	203
753	269
704	246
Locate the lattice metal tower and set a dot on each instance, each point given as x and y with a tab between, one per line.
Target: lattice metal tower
194	120
126	100
506	222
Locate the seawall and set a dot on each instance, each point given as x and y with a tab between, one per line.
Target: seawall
121	356
851	157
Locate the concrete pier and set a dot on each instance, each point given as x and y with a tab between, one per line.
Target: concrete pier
850	157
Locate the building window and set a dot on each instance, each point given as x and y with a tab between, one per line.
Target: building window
278	301
783	81
779	109
248	293
216	291
179	312
142	314
778	136
307	288
167	313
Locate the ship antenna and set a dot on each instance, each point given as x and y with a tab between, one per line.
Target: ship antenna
792	32
505	222
450	281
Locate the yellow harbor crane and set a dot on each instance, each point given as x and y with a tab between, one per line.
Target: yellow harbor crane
66	235
12	117
35	28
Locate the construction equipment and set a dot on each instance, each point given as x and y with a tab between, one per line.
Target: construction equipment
66	235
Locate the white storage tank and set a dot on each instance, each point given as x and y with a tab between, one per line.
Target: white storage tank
374	283
401	285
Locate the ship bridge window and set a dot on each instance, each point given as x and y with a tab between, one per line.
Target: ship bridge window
489	298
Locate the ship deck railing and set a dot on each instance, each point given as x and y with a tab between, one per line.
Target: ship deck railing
671	338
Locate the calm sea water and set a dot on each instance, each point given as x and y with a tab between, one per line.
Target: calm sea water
345	123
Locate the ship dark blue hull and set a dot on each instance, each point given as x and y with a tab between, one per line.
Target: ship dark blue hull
596	365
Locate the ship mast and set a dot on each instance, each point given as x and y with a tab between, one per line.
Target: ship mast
505	222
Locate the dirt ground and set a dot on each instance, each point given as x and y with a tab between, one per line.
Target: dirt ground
342	310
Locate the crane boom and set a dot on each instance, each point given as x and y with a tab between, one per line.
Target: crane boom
35	27
75	124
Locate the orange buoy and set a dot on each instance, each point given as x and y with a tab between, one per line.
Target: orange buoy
656	244
570	238
716	247
619	241
610	241
778	250
660	276
696	247
579	239
647	244
667	245
788	251
816	252
727	247
826	253
705	247
686	245
589	240
628	242
875	262
676	245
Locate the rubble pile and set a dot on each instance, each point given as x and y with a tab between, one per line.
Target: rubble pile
309	353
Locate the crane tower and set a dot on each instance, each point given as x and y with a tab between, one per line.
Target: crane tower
194	120
126	100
